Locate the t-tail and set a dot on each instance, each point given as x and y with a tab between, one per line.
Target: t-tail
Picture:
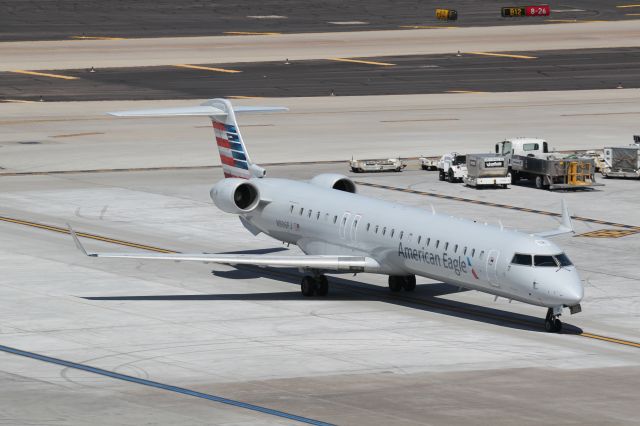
234	156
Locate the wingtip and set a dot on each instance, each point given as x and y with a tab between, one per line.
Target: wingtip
76	240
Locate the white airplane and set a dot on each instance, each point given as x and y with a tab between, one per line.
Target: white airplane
341	231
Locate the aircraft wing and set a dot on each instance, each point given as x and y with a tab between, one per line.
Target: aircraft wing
566	226
331	263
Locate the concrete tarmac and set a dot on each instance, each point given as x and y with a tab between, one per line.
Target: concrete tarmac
391	75
44	20
83	54
361	356
41	136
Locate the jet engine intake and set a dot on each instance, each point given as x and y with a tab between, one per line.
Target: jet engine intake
235	195
334	181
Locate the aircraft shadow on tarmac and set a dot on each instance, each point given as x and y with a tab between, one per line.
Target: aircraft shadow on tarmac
424	298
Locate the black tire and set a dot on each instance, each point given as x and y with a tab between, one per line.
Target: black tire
308	286
557	324
450	177
441	175
549	326
539	182
423	167
409	283
395	284
323	286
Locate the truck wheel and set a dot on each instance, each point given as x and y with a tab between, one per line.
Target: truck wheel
540	182
451	179
441	175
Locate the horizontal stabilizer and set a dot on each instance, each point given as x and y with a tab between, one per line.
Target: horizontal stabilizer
205	109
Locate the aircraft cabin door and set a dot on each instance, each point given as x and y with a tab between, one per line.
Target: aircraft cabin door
492	267
343	225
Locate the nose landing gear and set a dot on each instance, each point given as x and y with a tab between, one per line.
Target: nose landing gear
314	285
552	323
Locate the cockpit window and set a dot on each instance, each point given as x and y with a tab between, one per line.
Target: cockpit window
563	260
521	259
544	261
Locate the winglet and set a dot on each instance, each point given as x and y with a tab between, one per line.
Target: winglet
77	241
566	225
566	217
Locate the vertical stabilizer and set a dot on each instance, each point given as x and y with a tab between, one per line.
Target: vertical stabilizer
233	153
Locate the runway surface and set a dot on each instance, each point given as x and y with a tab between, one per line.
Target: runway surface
390	75
68	54
45	20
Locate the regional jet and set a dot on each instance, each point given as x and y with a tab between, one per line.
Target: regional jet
339	230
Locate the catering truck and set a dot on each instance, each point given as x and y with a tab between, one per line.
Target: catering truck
487	170
529	158
621	161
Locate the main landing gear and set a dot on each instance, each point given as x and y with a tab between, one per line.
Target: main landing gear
314	285
551	322
399	282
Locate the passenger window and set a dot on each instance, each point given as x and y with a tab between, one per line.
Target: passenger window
455	248
335	218
291	211
465	251
384	230
301	210
521	259
419	238
393	231
377	227
428	241
446	246
473	252
368	226
318	216
543	261
401	234
310	211
437	243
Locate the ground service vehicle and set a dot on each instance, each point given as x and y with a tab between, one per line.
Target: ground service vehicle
487	170
428	163
389	165
529	158
452	167
621	161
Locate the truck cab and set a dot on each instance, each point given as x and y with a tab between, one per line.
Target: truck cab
528	147
452	167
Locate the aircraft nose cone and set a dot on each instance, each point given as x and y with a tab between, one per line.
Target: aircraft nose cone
573	293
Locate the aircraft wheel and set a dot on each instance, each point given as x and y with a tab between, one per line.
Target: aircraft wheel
409	283
308	286
557	325
395	283
323	286
549	325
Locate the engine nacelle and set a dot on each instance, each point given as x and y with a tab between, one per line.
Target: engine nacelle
235	195
334	181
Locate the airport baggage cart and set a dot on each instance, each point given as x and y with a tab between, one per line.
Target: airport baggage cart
487	170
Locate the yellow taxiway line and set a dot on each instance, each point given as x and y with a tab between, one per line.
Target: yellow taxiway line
473	92
412	300
626	6
44	74
426	27
247	33
358	61
502	55
96	38
198	67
